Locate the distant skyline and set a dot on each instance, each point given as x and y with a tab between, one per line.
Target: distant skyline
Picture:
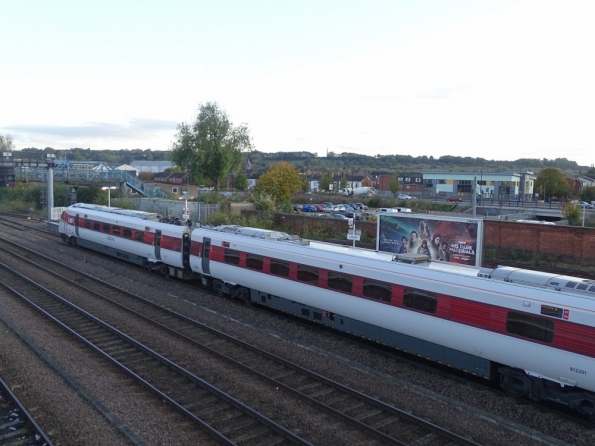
500	80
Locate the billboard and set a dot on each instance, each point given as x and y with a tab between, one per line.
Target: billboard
446	239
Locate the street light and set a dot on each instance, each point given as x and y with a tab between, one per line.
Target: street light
186	214
109	190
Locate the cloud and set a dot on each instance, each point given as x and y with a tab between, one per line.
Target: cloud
135	129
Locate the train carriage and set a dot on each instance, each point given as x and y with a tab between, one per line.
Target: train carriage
534	331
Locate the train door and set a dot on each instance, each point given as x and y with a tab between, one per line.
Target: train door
206	251
186	250
158	244
76	224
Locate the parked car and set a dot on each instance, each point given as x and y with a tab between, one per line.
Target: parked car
327	204
404	197
452	198
309	208
359	206
369	216
355	215
582	204
339	216
319	207
339	208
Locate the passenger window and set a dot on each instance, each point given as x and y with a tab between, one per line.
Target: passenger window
419	300
96	226
279	268
127	233
116	230
139	236
340	282
254	262
87	223
529	326
232	256
107	227
377	290
307	274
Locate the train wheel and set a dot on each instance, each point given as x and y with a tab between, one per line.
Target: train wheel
512	383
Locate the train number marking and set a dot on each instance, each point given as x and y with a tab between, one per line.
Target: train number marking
579	371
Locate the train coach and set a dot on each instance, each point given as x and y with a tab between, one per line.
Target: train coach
533	331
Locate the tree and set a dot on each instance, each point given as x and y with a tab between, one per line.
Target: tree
280	182
325	181
394	185
6	143
551	182
240	182
211	147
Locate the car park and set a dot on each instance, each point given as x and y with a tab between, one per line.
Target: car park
359	206
309	208
453	198
404	197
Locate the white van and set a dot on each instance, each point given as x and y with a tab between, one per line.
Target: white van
392	210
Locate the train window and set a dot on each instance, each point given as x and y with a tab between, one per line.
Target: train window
529	326
96	226
279	268
340	282
87	223
127	232
116	230
107	227
254	261
419	300
139	236
377	290
307	274
232	256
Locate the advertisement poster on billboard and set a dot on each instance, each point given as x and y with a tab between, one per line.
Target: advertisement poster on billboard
446	239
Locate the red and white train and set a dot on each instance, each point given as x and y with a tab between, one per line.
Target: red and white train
534	331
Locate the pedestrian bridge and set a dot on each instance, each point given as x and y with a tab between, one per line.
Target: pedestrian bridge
84	173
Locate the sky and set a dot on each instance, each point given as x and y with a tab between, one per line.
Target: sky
497	79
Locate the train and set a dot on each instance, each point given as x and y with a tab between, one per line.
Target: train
533	332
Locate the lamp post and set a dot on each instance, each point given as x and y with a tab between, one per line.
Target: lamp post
109	190
186	214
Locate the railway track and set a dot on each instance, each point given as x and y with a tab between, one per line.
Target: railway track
385	423
17	425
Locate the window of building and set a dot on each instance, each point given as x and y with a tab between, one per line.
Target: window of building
420	300
529	326
174	190
279	268
232	256
341	282
377	290
307	274
254	261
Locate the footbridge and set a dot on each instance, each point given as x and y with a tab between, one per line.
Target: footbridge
84	173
